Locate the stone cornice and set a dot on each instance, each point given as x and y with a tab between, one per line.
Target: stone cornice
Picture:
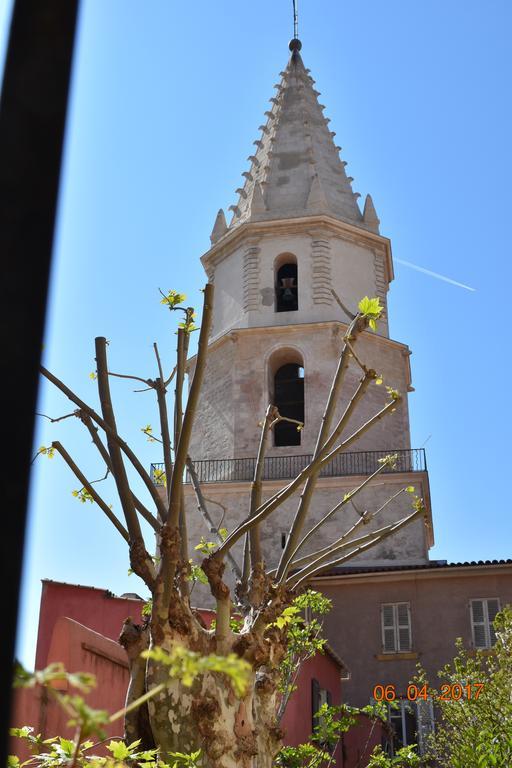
232	333
307	225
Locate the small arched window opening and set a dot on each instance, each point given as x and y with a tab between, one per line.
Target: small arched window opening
287	291
289	399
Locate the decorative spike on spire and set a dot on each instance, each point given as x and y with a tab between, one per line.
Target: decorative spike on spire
257	202
219	228
370	218
316	197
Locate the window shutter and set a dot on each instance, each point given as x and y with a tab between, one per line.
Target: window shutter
404	627
493	606
425	717
388	628
478	623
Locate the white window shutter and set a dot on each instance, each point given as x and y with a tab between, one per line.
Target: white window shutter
404	626
388	628
478	623
493	606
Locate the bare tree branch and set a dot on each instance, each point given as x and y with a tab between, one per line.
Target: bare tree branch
315	465
254	534
205	514
180	379
348	497
168	562
181	450
364	519
357	324
60	418
93	431
164	419
150	383
310	572
344	308
171	377
110	432
88	486
118	468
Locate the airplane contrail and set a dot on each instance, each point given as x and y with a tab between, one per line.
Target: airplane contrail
434	274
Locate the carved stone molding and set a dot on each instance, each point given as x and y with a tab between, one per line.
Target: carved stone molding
381	282
251	277
321	270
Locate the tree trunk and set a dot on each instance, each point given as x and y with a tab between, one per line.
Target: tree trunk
231	732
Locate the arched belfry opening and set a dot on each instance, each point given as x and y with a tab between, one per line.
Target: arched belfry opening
286	283
287	394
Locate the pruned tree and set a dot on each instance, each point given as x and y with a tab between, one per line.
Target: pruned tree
232	729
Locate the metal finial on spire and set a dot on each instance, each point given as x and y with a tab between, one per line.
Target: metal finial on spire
295	44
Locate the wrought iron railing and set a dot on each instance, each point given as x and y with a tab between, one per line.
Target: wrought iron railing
284	467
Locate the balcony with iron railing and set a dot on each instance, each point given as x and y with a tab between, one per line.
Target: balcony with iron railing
286	467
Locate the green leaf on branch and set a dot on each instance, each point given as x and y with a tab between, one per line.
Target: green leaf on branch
83	681
206	547
371	309
390	460
47	451
82	495
173	298
147	430
159	477
197	573
393	393
287	617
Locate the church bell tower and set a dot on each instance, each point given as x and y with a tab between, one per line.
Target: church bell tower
296	233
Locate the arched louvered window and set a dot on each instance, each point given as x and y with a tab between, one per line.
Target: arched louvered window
286	277
289	399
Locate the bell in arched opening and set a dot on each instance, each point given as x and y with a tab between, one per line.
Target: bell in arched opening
287	292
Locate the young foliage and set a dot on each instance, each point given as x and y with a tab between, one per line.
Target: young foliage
475	731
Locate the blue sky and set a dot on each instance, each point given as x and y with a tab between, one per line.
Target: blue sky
166	101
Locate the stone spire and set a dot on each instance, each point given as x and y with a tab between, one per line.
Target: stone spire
295	168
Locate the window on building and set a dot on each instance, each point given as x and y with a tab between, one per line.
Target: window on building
289	399
483	613
404	723
412	722
396	627
287	291
319	696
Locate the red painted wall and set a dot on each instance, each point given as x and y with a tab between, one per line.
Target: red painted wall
79	649
97	609
297	720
